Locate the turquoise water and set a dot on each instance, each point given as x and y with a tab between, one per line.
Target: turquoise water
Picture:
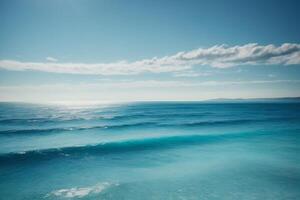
150	151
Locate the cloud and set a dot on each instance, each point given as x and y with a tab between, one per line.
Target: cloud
219	56
51	59
118	68
190	74
218	83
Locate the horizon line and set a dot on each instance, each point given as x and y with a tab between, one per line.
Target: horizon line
93	102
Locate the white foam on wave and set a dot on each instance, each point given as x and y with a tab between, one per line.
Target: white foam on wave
79	192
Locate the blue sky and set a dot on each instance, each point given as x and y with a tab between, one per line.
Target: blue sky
108	50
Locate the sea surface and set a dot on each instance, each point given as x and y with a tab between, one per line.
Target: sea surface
157	151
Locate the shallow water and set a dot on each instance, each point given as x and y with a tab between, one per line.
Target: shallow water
150	151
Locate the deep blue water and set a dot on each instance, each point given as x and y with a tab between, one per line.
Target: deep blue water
150	151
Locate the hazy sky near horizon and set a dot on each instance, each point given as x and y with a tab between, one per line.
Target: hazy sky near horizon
113	50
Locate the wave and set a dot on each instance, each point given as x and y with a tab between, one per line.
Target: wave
160	115
203	123
136	125
44	120
101	116
80	192
20	120
56	130
34	131
123	146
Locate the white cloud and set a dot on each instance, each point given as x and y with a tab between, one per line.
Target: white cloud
190	74
219	56
51	59
218	83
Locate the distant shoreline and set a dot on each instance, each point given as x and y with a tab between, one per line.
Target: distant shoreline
218	100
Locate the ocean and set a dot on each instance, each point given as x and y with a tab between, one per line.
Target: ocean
150	150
